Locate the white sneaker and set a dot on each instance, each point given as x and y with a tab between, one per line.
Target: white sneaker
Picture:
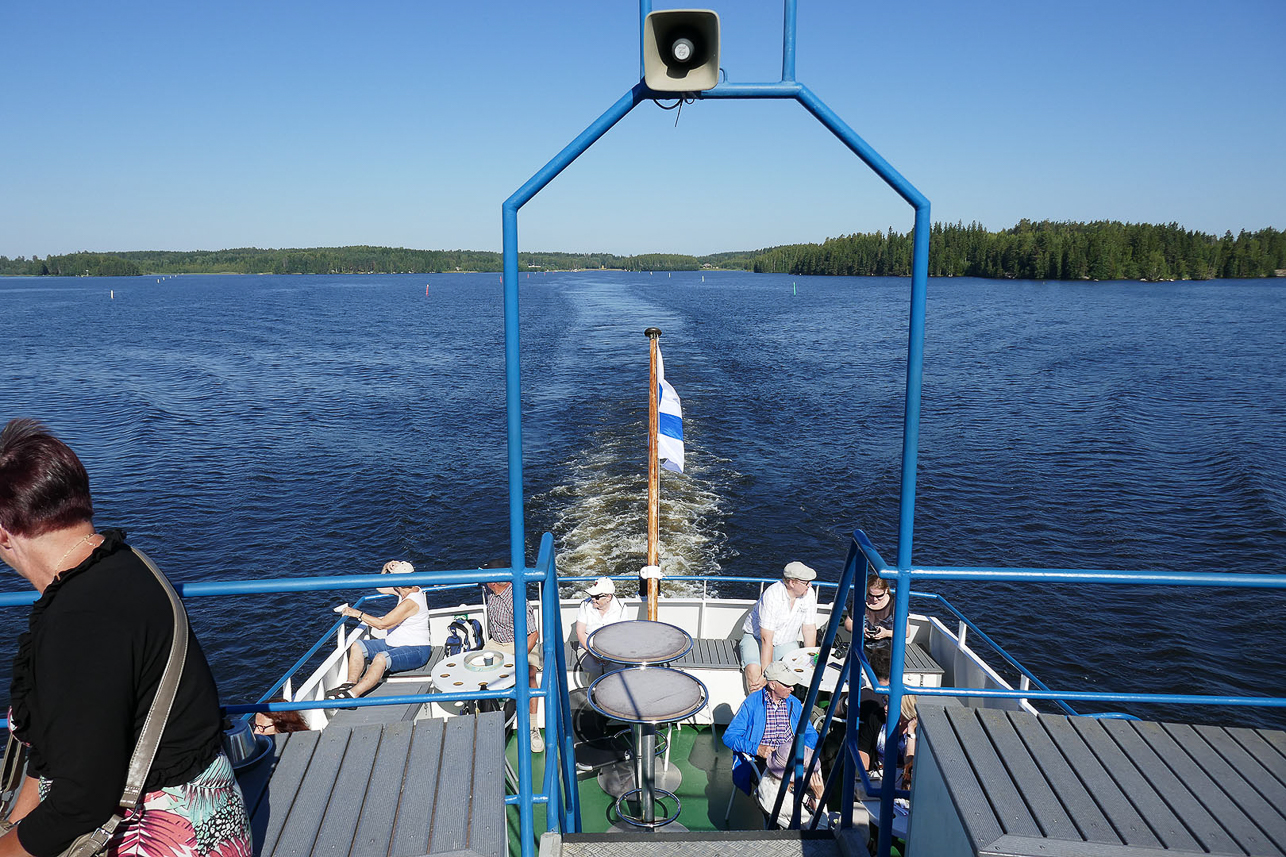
537	743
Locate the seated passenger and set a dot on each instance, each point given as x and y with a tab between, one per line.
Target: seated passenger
877	621
602	607
406	646
765	724
785	610
872	717
278	722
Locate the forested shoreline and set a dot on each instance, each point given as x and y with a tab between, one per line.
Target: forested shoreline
1103	250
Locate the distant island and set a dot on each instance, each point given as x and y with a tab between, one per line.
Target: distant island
1103	250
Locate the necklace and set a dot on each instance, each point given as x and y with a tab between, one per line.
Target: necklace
58	564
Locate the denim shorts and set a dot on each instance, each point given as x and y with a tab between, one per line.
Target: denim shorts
400	658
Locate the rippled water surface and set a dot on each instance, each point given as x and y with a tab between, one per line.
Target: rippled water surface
245	427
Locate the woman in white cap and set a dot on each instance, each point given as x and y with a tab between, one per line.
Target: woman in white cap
602	607
786	610
405	647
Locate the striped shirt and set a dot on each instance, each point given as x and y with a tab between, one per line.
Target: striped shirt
500	615
777	725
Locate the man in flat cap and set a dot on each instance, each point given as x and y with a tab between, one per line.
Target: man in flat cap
786	610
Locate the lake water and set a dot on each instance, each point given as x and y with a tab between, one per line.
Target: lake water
249	427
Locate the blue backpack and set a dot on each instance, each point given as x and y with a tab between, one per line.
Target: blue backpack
463	635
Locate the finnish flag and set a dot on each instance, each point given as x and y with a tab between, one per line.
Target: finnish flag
669	440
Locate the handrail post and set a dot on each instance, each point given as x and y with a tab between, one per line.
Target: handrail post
788	41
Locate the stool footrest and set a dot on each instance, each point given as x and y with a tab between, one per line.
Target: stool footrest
639	822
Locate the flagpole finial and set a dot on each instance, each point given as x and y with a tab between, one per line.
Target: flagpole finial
652	332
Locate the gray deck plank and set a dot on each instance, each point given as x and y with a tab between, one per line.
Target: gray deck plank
313	796
335	836
379	807
1220	787
378	714
1042	803
971	804
1137	786
1135	738
1125	819
1007	804
455	774
274	806
918	660
1268	753
711	654
1082	810
419	790
387	790
1232	745
488	833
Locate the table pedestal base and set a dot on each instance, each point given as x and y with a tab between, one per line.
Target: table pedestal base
647	793
618	778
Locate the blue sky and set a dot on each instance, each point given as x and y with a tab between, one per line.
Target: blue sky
149	125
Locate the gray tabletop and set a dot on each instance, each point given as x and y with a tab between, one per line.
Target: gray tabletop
639	641
647	695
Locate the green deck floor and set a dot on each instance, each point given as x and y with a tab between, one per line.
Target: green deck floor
706	765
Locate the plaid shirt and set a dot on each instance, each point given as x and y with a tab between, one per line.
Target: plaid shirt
500	615
777	726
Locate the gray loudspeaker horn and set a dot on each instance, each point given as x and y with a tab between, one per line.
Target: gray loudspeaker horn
681	50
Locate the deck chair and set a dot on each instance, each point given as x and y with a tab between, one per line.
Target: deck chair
752	765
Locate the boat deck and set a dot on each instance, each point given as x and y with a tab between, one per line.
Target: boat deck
398	789
1053	785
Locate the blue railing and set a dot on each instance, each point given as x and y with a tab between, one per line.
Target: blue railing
558	793
903	578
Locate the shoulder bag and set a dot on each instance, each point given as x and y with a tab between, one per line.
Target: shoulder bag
15	754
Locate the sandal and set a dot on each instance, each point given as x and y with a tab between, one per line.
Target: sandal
341	693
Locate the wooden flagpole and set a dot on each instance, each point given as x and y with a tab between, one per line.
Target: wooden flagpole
651	587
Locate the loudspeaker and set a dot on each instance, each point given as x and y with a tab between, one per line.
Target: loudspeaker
681	50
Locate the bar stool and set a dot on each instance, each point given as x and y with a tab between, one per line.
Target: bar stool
644	697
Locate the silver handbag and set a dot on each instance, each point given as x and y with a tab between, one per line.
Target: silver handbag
14	768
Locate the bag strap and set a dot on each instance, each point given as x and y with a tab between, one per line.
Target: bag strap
149	739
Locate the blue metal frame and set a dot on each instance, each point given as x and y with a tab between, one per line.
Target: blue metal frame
786	88
903	572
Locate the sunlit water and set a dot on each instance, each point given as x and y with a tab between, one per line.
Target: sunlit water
248	427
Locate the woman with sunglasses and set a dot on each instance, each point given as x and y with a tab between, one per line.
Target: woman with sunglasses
602	607
877	622
277	722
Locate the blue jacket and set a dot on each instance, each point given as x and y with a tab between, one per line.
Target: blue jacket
746	732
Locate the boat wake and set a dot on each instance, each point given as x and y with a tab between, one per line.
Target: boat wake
599	514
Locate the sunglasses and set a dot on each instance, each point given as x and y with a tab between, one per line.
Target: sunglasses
601	597
870	597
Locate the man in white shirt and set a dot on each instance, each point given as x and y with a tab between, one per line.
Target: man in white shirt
784	612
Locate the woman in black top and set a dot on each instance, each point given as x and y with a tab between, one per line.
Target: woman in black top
86	672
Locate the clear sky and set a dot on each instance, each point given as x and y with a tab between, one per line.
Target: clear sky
172	125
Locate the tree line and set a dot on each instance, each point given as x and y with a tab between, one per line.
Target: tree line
1103	250
330	260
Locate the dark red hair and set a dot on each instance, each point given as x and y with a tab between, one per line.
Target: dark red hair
43	485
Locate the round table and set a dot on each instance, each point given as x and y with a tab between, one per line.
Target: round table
639	642
643	697
486	669
803	662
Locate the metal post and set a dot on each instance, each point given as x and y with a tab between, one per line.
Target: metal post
649	587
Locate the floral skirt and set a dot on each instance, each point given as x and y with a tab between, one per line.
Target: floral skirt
205	817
